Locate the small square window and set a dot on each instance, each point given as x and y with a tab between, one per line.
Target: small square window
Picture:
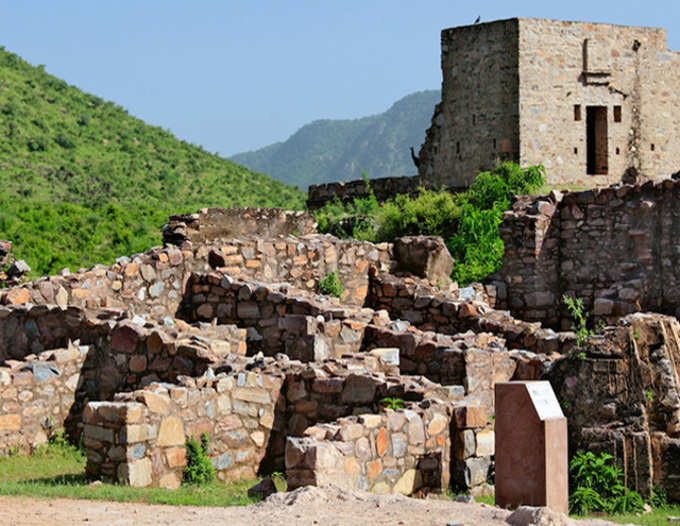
577	112
617	113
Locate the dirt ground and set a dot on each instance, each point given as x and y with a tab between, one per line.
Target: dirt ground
305	506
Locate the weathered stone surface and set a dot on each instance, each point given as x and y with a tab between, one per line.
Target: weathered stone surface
409	482
10	422
171	432
137	474
424	256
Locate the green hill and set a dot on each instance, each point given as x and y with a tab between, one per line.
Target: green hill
82	182
340	150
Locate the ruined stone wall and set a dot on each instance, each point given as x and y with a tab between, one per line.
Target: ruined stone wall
36	396
211	224
140	442
46	380
431	309
278	319
613	247
477	122
384	189
152	283
622	396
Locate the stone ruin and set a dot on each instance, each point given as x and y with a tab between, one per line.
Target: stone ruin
11	270
222	331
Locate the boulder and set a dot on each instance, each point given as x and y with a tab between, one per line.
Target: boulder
423	256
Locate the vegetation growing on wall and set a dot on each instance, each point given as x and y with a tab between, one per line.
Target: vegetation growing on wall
468	221
82	181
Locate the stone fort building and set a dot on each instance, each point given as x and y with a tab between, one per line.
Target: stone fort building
591	102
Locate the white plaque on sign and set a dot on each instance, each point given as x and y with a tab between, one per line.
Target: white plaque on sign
544	400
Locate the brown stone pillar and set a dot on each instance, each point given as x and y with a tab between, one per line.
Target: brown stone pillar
531	447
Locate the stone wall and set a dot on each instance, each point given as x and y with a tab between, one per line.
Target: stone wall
36	396
152	283
477	122
279	318
523	89
211	224
399	451
554	246
384	189
431	309
139	438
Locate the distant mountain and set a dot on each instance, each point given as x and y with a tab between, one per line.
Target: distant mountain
82	181
340	150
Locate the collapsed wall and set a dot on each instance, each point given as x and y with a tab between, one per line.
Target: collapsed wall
613	247
622	396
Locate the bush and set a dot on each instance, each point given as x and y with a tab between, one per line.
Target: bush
199	470
430	213
597	486
331	285
468	221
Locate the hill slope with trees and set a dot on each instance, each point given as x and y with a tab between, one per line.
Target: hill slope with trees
340	150
82	181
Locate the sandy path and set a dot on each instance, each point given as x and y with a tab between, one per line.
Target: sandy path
311	506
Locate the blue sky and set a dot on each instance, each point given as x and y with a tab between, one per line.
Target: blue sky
238	75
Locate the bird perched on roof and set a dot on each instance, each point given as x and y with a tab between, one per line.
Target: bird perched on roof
478	19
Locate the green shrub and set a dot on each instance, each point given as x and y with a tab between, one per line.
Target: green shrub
468	221
597	486
199	470
331	285
65	141
575	306
429	213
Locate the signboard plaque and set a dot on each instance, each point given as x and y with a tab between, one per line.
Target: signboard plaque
531	447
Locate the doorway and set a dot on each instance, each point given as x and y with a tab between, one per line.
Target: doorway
596	125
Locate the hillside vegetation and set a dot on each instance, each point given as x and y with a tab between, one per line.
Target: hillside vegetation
82	182
340	150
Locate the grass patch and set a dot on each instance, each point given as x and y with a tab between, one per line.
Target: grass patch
658	517
57	471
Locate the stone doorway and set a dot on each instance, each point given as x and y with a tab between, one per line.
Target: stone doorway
596	136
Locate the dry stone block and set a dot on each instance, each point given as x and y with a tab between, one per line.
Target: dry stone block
423	256
171	432
409	482
10	423
485	443
136	474
470	416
